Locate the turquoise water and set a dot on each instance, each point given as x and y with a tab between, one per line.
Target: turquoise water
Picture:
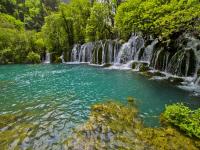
57	98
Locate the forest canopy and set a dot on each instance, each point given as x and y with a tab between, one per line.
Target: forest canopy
35	26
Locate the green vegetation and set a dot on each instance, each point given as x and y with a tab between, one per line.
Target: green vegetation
20	132
15	42
58	26
33	57
20	25
99	24
115	126
158	17
184	118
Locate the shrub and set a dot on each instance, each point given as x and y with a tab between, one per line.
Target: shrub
33	58
184	118
6	56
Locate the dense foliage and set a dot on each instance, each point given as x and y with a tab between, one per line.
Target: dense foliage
99	24
50	25
158	17
15	42
31	12
183	117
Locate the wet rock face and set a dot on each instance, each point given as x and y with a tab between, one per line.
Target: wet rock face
178	56
113	126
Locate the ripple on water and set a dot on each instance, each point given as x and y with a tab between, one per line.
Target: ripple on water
45	102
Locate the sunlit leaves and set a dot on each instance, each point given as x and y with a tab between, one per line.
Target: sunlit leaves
184	118
157	17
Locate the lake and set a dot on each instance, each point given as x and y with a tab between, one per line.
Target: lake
45	102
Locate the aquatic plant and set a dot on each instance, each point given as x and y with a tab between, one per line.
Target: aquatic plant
115	126
12	135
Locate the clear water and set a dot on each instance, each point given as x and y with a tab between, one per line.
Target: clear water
57	98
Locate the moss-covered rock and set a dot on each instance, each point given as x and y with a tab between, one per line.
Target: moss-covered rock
133	65
7	119
13	138
107	65
115	126
167	139
144	67
141	66
175	80
58	60
152	74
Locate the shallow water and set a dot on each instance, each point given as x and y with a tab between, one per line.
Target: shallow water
56	98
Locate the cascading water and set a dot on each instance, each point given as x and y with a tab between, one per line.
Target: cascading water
75	53
47	58
181	63
147	55
100	52
185	62
130	50
62	58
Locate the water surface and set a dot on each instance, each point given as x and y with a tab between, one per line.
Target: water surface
57	98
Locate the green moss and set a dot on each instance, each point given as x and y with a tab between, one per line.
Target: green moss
151	74
134	64
115	126
58	60
7	119
144	67
16	135
167	139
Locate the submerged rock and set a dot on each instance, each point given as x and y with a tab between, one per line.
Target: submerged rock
140	66
114	126
6	119
107	65
153	74
176	81
14	137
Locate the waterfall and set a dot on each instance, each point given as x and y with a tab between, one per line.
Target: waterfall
47	58
130	50
75	53
103	52
180	63
194	44
175	63
197	82
155	58
62	58
99	52
183	61
108	51
147	55
166	61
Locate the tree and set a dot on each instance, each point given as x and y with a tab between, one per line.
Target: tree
99	24
160	18
78	11
55	34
